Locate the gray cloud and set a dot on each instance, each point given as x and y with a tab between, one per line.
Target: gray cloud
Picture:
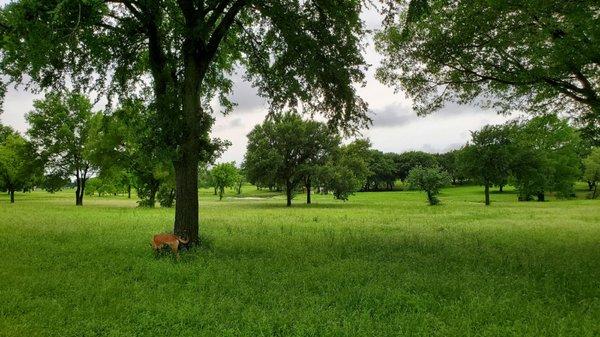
392	115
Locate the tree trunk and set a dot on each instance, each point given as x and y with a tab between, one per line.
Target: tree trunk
288	192
79	191
152	197
129	191
487	194
430	198
12	196
186	194
501	188
308	191
541	197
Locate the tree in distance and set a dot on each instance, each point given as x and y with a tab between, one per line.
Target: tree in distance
19	166
287	150
592	170
347	170
430	180
297	53
487	158
545	157
60	133
224	175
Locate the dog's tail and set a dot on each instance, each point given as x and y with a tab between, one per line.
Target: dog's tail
182	240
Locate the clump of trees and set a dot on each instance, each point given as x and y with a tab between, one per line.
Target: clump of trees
430	180
287	151
537	156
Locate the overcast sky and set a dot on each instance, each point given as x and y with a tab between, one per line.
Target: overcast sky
396	127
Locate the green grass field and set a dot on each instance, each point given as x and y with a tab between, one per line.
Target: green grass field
382	264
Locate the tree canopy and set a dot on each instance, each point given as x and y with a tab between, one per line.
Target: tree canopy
514	55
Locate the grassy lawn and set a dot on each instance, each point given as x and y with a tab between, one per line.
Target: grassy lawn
382	264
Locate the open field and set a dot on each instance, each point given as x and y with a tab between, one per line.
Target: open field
383	264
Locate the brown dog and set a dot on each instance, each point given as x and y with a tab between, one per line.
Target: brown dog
162	240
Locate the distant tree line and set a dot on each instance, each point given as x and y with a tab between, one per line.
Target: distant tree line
115	152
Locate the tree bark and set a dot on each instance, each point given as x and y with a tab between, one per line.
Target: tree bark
129	191
80	182
12	196
541	197
487	194
501	188
186	194
308	191
288	192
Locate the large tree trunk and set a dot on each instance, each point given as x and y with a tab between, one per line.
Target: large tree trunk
12	196
487	194
186	166
186	194
308	190
541	197
128	191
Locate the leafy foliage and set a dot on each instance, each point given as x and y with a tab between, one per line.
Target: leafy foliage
60	131
286	150
515	55
430	180
545	157
18	164
224	175
487	159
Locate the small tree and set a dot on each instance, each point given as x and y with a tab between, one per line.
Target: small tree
18	166
224	175
592	170
430	180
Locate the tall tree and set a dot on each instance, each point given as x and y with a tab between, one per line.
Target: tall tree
295	52
515	55
286	149
487	158
60	132
18	164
